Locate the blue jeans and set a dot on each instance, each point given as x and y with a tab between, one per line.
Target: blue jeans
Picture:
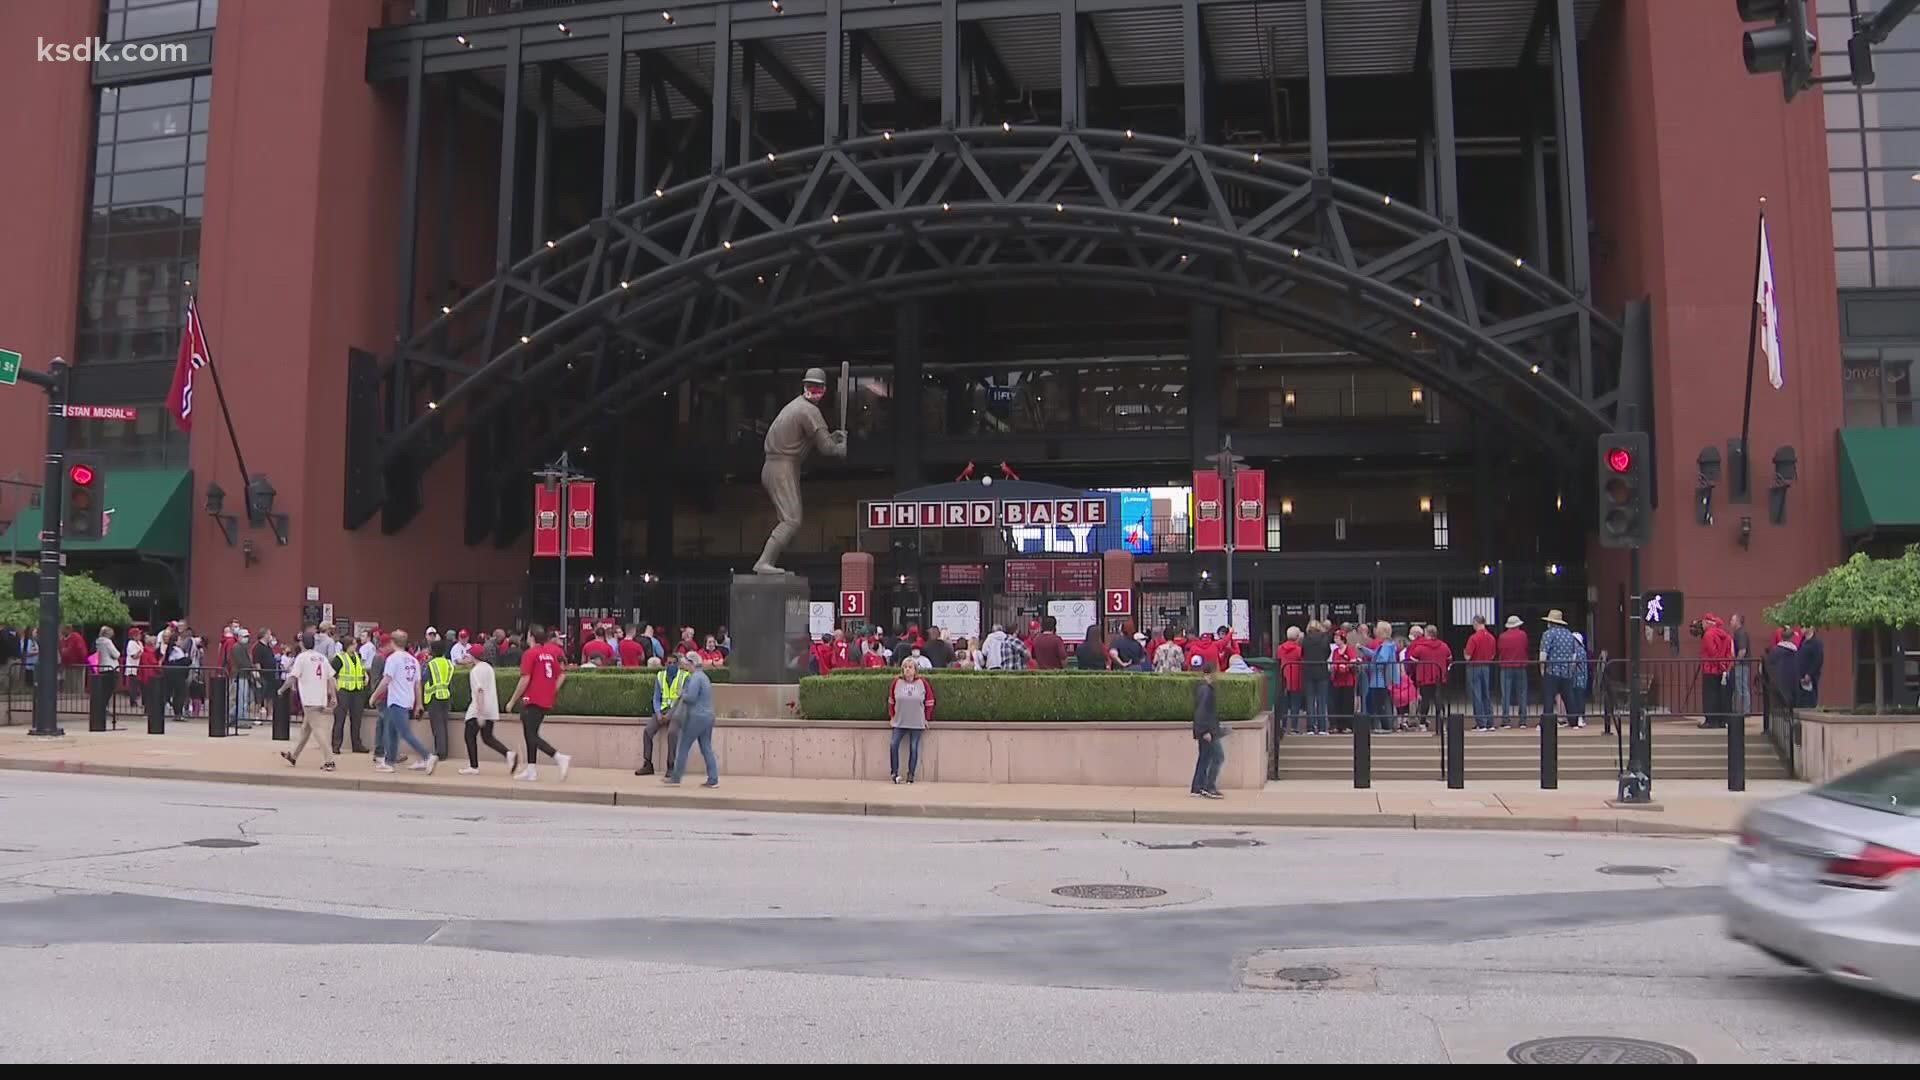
912	737
1292	708
1206	767
1480	686
1380	707
701	732
240	688
1513	694
396	723
1317	704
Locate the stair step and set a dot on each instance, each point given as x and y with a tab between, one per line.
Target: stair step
1529	775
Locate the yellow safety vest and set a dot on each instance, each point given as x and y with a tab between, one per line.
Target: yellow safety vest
670	687
439	679
353	674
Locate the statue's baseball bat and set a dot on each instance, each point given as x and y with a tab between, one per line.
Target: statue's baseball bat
846	381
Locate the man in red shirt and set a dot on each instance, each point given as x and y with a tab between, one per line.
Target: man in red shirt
1510	651
1479	656
1716	672
632	653
543	669
1049	651
597	651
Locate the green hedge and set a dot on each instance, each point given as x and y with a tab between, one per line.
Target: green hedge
587	691
1029	695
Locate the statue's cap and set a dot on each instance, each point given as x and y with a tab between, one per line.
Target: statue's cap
814	375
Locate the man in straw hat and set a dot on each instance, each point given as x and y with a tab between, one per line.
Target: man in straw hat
1511	653
1561	656
797	431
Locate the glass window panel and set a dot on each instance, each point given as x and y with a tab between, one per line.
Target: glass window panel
1901	366
103	161
209	13
193	209
1895	70
1890	109
1833	31
1843	150
102	187
1843	109
1850	228
116	26
153	123
127	247
1891	149
154	94
1895	228
1892	188
1862	412
197	150
1850	269
153	154
146	186
1899	266
197	180
1847	188
201	113
162	19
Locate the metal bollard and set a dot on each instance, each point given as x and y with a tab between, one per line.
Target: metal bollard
156	702
217	707
1549	753
1363	751
282	717
99	700
1736	752
1456	750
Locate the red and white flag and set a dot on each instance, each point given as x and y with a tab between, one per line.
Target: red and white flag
1769	314
194	355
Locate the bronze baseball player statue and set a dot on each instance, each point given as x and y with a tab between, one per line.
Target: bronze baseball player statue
796	432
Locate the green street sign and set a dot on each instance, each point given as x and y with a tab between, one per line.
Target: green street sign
9	367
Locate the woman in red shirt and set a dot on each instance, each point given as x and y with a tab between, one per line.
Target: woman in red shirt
1346	677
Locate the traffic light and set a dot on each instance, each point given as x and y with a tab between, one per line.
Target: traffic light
1786	46
1626	484
82	509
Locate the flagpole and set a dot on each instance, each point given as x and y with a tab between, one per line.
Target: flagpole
1740	477
225	414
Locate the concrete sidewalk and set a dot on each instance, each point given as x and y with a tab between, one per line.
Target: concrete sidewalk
185	753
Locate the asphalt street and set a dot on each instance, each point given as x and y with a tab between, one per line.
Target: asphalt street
163	921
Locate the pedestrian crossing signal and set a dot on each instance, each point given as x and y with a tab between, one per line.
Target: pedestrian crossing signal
83	508
1626	510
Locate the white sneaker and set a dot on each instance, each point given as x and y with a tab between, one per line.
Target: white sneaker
469	771
381	766
565	761
432	760
513	761
527	774
422	766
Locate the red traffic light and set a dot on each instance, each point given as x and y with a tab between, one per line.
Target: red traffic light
81	475
1619	459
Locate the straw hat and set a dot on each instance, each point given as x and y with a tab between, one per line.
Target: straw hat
1513	622
1555	618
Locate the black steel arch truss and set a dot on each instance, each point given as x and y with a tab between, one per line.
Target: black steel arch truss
593	323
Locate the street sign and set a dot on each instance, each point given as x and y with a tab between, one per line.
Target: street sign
853	604
9	367
100	412
1664	607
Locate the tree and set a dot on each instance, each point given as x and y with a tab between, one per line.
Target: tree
84	602
1877	596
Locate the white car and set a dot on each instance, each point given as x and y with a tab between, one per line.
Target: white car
1830	879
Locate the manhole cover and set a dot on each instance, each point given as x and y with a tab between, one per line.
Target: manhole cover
1631	870
1307	974
1597	1050
1109	892
221	841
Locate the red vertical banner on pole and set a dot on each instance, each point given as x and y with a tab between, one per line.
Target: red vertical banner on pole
546	521
1250	510
1209	512
580	519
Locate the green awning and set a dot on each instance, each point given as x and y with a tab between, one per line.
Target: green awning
1878	491
148	511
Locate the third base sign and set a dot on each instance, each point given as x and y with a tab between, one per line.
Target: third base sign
853	604
1119	602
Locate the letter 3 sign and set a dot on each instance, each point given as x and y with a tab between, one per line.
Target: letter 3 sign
853	604
1119	602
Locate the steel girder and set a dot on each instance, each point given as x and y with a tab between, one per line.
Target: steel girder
642	298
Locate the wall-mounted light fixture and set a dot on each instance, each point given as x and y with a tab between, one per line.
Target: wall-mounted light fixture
1290	400
216	503
1426	504
1286	506
1709	477
1786	469
1418	395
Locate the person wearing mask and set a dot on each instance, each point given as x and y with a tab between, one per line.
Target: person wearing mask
397	696
1812	660
1510	652
311	679
266	665
438	694
1292	699
483	711
350	697
543	670
1742	665
1208	735
937	650
106	678
1343	661
1716	672
1091	653
1479	655
1560	654
695	707
666	694
909	711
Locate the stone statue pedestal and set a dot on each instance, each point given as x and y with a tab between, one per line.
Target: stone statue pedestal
768	621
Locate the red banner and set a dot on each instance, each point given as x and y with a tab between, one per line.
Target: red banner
580	519
1209	515
546	521
1250	510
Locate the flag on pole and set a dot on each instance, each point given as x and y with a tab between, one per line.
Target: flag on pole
194	355
1769	313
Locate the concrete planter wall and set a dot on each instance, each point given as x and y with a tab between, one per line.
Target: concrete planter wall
1833	743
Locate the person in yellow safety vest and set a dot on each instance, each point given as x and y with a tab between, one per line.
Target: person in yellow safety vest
439	694
350	678
666	690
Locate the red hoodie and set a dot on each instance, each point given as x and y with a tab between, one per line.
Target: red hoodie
1289	656
1431	657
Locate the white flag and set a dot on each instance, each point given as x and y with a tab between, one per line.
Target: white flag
1769	314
